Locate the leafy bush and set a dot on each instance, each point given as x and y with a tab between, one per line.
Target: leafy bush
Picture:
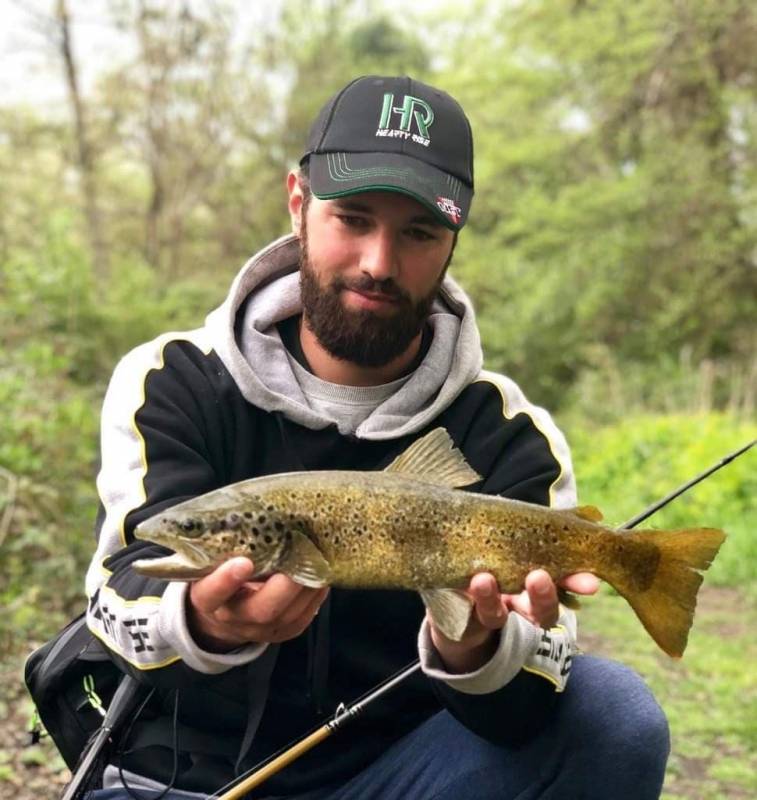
62	334
625	467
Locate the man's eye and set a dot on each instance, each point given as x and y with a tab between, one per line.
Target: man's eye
353	222
420	234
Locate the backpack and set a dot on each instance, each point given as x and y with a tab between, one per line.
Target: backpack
71	680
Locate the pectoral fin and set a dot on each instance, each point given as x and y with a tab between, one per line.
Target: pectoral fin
304	563
435	459
449	609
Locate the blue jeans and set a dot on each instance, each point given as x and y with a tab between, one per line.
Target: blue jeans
609	739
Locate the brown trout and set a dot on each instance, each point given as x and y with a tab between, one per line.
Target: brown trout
408	527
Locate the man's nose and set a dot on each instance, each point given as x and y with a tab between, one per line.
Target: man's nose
380	256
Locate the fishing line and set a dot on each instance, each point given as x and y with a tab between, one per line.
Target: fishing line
130	790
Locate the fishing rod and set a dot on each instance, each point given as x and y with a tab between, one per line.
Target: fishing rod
121	706
265	769
291	752
686	486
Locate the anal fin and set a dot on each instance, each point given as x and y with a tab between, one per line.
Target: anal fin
450	610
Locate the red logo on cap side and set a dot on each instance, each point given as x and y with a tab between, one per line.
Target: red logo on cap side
449	209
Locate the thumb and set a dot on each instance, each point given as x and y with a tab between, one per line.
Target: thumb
212	591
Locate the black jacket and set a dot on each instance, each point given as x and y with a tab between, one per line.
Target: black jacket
193	430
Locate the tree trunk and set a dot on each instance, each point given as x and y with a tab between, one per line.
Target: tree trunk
85	154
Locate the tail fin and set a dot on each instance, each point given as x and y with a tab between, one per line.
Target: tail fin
666	606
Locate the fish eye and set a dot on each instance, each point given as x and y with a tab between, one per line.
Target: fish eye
187	525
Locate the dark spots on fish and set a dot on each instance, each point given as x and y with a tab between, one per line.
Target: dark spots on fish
253	546
554	538
268	539
233	521
255	530
336	540
565	528
262	519
248	514
279	526
270	509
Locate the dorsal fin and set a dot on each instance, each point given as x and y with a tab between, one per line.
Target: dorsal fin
590	513
435	459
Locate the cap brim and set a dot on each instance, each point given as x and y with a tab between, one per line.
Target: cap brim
341	174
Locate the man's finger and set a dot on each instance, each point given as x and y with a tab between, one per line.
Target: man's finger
276	597
542	593
312	604
304	606
214	590
581	583
485	593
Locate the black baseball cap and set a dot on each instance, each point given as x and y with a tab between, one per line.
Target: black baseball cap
394	134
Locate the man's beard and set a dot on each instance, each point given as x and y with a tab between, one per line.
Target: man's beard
359	335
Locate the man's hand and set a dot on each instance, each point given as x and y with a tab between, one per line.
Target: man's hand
538	603
225	609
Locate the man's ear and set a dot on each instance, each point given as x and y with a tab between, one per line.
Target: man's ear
295	201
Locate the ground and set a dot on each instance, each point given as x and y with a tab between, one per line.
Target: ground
709	697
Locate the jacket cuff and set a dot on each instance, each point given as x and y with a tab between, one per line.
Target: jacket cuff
172	624
521	646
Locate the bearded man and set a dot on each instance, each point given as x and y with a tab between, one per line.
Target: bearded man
337	347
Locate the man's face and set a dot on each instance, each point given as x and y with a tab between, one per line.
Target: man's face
371	266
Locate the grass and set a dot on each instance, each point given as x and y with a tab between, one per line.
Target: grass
709	696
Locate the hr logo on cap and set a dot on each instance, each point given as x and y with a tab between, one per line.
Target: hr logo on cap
412	108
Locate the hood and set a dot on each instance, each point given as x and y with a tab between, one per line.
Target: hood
266	291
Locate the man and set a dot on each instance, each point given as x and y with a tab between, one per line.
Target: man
336	348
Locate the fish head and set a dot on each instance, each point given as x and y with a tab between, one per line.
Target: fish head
208	530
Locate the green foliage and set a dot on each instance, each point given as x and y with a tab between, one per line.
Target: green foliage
614	229
615	205
624	468
61	336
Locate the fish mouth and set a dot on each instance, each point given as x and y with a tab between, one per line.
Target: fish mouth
187	562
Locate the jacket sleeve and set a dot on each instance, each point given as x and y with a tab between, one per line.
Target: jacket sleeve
523	456
156	450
